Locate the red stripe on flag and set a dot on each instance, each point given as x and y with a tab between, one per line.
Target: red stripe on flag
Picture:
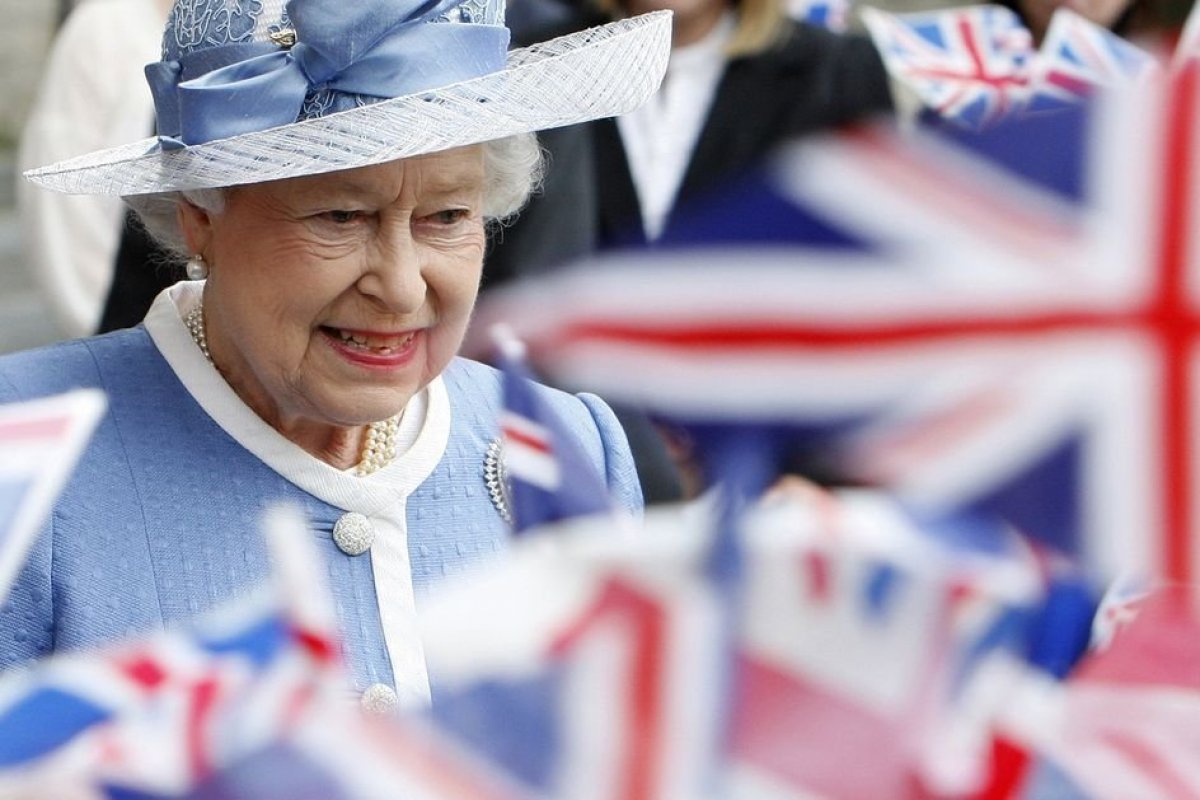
1069	83
644	739
1176	324
969	76
144	671
789	335
644	750
981	74
816	580
318	646
300	699
203	700
44	428
1010	766
527	440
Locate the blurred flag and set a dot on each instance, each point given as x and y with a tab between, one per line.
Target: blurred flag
40	442
248	703
166	713
954	609
970	65
585	666
593	667
547	476
1078	56
1127	722
993	323
973	66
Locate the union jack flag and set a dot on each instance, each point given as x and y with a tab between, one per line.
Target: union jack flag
971	65
546	475
1125	723
590	671
1077	56
39	445
166	713
973	338
600	673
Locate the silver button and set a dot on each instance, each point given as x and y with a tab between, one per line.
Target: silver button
379	698
354	534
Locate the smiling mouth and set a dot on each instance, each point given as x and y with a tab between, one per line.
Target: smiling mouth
366	342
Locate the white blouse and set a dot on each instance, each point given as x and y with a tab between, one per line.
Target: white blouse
382	496
660	136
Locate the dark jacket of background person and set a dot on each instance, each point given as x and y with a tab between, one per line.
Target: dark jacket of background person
142	270
811	80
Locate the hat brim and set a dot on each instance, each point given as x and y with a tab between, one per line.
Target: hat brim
599	72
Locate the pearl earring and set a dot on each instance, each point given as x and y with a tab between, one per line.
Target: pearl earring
197	270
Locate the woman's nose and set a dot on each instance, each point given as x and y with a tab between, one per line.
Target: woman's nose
395	276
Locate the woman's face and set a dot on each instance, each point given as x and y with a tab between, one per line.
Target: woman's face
333	299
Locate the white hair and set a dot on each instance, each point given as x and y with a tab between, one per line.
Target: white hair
513	167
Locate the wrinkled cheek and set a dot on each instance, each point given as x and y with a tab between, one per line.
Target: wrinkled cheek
455	303
444	346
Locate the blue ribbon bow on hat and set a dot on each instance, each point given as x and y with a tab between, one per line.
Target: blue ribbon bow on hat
373	48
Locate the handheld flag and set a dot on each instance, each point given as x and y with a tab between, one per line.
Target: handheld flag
1078	57
594	665
166	713
549	477
40	443
975	66
970	65
1002	327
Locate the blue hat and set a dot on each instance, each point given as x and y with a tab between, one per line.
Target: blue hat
257	90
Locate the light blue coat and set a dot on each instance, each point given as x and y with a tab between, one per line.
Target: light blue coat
160	520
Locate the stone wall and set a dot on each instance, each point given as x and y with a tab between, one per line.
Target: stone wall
25	34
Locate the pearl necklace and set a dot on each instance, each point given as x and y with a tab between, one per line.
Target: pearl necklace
380	447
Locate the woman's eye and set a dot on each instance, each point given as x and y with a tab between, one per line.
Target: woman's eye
450	216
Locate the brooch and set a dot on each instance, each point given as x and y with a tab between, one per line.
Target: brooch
496	478
285	38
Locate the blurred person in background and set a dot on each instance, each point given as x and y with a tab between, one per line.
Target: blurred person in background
743	78
93	95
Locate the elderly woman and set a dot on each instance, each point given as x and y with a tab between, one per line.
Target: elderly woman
328	169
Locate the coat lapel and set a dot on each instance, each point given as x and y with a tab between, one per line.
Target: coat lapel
620	212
